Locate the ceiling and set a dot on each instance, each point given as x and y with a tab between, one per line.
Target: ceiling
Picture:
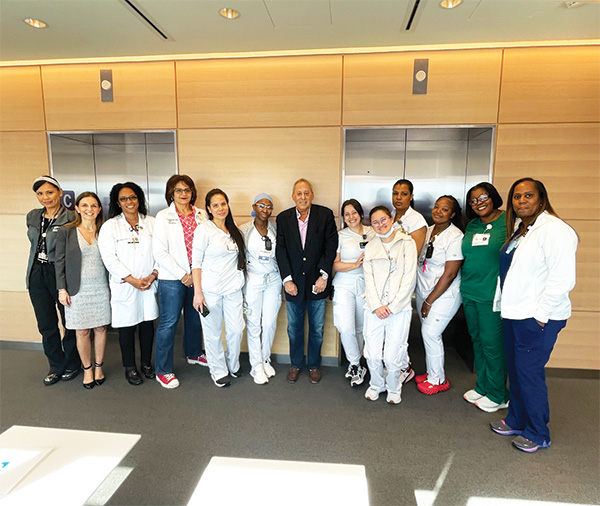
111	28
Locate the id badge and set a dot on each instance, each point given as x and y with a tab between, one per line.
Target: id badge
480	240
264	256
232	246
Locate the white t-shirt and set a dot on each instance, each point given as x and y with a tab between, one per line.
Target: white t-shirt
259	259
349	249
447	246
216	253
411	221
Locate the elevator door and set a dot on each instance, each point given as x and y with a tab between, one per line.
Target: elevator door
438	161
97	161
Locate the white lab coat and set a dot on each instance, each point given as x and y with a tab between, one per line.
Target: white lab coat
126	252
168	243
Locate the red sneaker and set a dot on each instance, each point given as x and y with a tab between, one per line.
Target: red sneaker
421	378
429	389
201	360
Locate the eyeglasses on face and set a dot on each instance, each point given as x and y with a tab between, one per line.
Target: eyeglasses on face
484	197
262	207
179	191
131	198
381	222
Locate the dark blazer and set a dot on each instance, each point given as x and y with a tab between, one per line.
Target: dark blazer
67	261
34	222
305	265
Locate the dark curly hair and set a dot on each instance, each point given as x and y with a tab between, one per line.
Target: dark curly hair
114	209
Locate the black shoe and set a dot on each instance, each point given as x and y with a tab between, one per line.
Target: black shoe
90	385
239	373
133	376
148	371
51	378
223	382
69	374
101	380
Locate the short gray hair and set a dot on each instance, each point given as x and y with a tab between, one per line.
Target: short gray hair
302	180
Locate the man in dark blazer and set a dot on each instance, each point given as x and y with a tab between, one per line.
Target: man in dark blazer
307	241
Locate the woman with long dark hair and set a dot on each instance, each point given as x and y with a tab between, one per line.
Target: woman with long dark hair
484	236
438	288
218	267
349	287
126	246
42	230
82	285
537	272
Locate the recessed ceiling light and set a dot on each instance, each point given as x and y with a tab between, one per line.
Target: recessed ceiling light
35	23
228	13
450	4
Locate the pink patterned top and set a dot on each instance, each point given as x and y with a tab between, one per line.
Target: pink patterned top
189	225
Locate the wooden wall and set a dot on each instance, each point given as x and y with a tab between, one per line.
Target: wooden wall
256	124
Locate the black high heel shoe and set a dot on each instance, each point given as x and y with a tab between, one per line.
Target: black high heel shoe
101	380
91	384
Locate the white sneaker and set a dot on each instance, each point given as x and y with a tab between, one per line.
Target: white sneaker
349	372
372	394
259	375
394	398
358	375
269	370
406	375
472	396
489	406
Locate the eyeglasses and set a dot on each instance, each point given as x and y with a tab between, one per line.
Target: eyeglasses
262	207
131	198
267	239
429	251
182	190
381	222
484	197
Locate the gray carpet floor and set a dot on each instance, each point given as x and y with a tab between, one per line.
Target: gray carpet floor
403	448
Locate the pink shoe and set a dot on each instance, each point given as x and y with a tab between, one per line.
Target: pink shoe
201	360
429	389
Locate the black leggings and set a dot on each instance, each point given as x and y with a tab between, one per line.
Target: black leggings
127	342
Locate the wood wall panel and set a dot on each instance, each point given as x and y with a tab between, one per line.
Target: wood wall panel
245	162
144	97
23	157
566	158
578	346
586	294
17	317
550	85
21	106
14	252
463	88
263	92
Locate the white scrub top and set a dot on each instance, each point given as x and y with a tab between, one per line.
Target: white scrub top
411	221
259	260
447	246
349	249
125	251
216	253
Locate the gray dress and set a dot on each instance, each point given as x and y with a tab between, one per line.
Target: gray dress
90	306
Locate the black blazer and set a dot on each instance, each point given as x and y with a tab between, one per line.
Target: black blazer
67	262
305	265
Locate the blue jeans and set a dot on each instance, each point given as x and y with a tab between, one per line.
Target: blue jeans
528	349
316	318
173	296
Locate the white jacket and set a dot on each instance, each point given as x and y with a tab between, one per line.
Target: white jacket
377	267
542	273
168	243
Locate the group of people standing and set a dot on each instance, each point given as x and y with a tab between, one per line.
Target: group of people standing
512	272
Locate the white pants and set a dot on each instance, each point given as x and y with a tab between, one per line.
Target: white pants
391	334
440	314
228	308
348	318
262	302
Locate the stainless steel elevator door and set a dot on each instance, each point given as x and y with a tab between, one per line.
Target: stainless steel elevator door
438	161
99	160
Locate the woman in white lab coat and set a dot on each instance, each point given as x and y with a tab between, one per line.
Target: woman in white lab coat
262	293
126	247
218	266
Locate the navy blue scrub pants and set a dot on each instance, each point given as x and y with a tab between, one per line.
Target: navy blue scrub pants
528	348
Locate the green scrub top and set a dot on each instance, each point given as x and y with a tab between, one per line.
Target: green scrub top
481	266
